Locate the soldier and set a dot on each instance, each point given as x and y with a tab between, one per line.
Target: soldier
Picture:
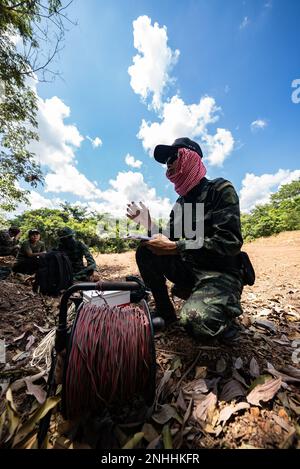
208	276
76	250
29	253
9	241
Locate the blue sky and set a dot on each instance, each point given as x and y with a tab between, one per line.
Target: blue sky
136	74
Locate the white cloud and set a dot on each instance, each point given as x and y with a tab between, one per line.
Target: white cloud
57	140
256	190
219	146
151	66
56	149
96	142
245	22
258	124
182	120
131	161
127	187
69	179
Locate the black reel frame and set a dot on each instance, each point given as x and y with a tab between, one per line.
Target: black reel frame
64	338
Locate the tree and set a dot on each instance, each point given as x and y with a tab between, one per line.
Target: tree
281	214
27	22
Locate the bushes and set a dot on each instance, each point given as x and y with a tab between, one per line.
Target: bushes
281	214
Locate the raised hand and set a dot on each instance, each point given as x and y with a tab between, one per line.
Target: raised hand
139	214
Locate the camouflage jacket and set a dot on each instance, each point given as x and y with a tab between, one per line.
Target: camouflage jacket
6	240
222	239
76	255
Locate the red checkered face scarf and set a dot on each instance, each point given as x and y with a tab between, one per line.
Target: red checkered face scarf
189	172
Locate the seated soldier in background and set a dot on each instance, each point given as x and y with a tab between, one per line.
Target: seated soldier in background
9	241
28	255
76	250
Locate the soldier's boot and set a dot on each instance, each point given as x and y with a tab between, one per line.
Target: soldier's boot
163	305
181	292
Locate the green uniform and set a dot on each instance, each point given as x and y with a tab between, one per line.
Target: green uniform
26	264
8	245
76	252
212	272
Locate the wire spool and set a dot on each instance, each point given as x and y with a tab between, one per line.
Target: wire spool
111	360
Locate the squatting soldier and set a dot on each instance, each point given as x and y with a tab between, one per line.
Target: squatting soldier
76	251
9	241
27	261
209	276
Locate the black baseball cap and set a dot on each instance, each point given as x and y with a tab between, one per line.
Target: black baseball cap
163	152
33	231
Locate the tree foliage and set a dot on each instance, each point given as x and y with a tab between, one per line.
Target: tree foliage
282	213
26	49
84	223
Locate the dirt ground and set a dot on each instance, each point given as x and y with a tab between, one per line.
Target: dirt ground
239	395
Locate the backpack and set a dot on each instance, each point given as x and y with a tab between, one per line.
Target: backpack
54	273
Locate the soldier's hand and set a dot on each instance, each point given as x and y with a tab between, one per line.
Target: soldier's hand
139	214
162	246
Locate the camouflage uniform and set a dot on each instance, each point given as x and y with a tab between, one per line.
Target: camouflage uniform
8	245
76	253
24	263
210	273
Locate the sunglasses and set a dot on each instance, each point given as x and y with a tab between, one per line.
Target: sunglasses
172	158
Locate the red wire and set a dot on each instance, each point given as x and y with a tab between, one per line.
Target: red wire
110	358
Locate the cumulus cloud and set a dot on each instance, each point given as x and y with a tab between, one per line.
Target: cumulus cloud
127	187
149	74
258	124
256	190
56	150
131	161
219	146
182	120
96	142
69	179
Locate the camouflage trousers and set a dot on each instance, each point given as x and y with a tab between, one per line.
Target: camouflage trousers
214	299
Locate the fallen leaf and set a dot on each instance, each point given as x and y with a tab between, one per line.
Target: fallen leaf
285	377
198	386
30	342
167	438
229	410
155	444
20	356
200	372
166	413
236	375
19	337
259	380
134	441
203	407
265	324
231	390
291	371
167	375
181	402
280	421
254	368
36	390
28	426
12	414
238	363
264	392
2	421
149	432
43	330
